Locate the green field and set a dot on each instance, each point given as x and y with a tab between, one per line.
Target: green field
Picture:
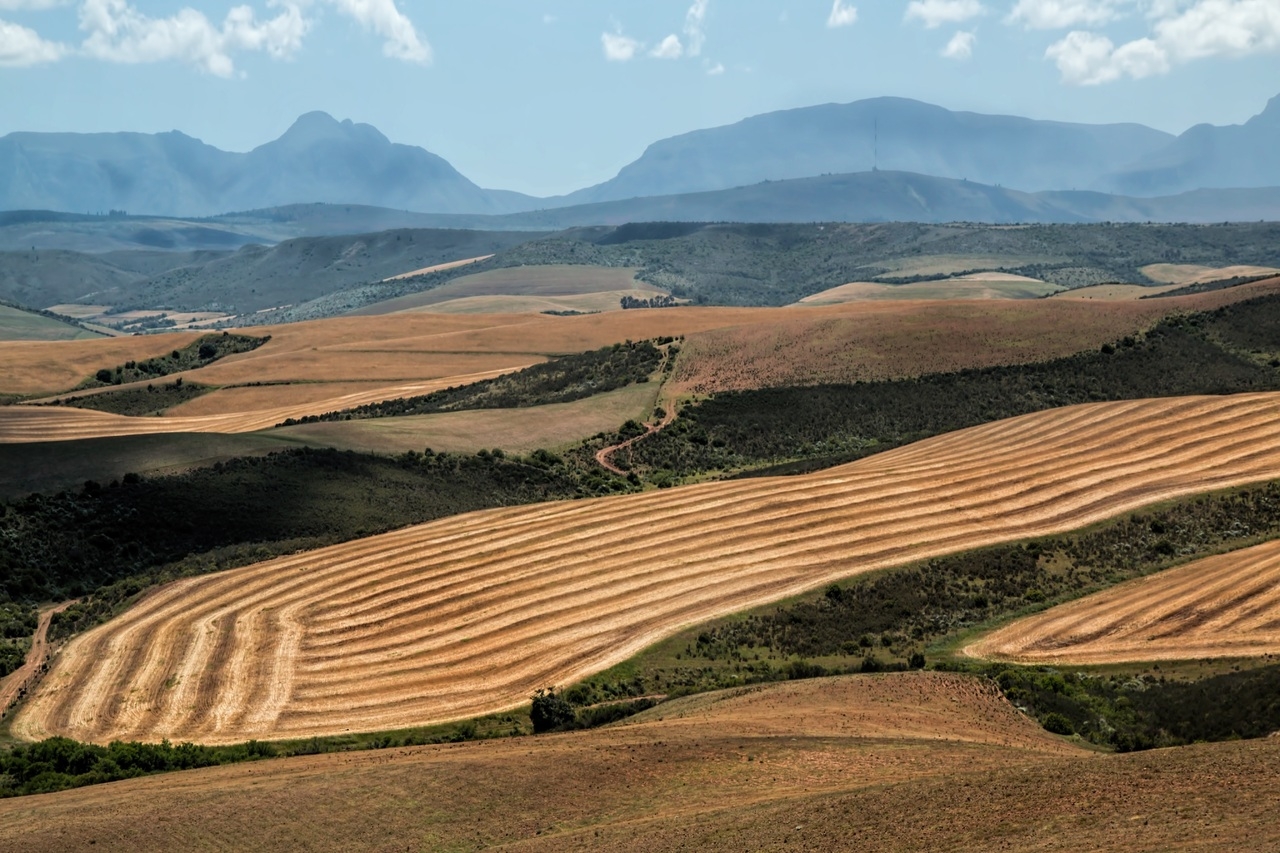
19	325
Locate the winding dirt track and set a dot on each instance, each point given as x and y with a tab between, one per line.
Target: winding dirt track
11	685
470	614
1222	606
25	424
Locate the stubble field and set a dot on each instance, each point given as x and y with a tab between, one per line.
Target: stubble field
1222	606
471	614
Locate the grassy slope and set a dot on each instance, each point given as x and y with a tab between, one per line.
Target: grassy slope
19	325
855	764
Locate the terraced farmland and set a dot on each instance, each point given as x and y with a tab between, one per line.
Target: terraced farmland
1222	606
469	615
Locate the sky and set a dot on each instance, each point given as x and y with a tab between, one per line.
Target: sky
548	96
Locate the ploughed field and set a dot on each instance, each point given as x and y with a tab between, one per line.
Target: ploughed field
471	614
1222	606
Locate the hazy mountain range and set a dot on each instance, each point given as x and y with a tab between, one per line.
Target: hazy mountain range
827	158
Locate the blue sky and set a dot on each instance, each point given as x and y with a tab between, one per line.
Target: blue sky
546	96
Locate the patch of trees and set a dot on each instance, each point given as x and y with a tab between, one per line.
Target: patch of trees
17	624
552	711
137	402
661	301
1130	713
1231	350
198	353
114	541
59	763
560	380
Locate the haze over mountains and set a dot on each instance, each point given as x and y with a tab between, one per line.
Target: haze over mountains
828	156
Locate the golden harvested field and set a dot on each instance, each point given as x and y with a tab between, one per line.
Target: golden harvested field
549	427
867	341
542	281
1184	274
471	614
1222	606
920	761
47	367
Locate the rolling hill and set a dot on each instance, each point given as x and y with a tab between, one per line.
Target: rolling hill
471	614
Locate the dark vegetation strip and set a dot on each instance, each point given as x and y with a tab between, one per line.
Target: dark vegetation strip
1207	286
17	625
111	542
198	353
561	380
1230	350
139	402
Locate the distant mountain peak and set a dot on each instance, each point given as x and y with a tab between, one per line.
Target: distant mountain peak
318	126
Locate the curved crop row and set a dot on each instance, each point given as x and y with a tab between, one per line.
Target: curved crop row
1222	606
470	614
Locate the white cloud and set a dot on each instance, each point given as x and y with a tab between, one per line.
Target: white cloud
21	47
31	5
842	15
693	21
669	48
401	40
960	47
714	69
1204	29
935	13
1060	14
117	32
619	48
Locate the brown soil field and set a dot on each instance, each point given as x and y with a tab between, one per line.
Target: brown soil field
551	427
1183	274
469	615
551	280
1222	606
920	761
867	341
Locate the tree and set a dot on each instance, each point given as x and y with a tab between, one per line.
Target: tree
551	711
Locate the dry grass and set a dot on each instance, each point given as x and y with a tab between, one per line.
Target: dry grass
550	427
887	763
701	756
868	341
1222	606
1114	292
587	303
37	367
469	615
1184	274
975	286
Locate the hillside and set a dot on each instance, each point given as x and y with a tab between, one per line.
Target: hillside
318	159
908	135
1207	156
471	614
